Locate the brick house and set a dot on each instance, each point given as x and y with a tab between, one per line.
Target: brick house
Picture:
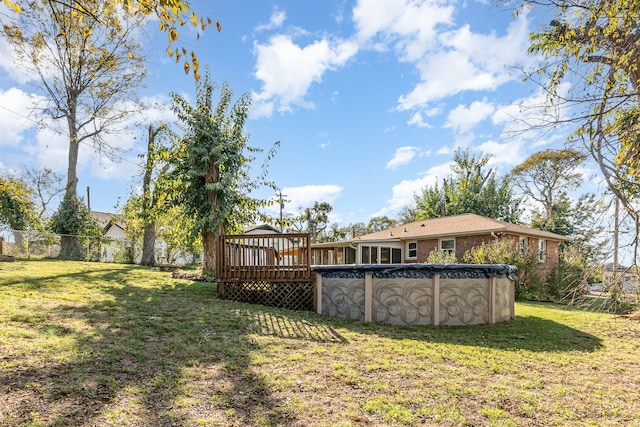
413	242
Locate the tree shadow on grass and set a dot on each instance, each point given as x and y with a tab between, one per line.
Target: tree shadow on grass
151	355
168	354
529	333
300	325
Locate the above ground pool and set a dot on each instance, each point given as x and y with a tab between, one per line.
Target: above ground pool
417	294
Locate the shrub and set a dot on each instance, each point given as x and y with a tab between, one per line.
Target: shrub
441	257
75	225
506	252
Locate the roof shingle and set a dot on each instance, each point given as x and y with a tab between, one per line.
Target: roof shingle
457	225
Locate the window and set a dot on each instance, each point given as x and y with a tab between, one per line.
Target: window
377	255
349	256
542	250
523	245
412	250
374	254
385	255
365	257
396	256
448	246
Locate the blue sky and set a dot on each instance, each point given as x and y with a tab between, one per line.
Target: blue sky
369	99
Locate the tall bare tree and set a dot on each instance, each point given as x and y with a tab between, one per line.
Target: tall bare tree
171	15
87	69
595	46
545	178
150	197
46	185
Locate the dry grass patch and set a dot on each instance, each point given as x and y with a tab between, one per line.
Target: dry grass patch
89	344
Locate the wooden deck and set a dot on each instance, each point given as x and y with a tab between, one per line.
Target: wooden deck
268	269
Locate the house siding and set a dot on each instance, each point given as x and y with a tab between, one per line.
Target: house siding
464	244
425	247
552	257
468	230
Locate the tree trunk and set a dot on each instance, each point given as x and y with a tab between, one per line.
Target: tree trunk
72	177
209	244
149	239
69	244
210	235
149	245
70	248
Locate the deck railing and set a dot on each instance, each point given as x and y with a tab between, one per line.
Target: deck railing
264	257
267	269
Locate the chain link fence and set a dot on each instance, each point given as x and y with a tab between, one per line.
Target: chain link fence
34	244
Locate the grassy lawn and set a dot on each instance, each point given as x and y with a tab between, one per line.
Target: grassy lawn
113	345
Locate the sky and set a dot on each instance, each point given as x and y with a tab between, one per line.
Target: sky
369	99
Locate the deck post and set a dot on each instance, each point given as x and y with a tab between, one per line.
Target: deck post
319	293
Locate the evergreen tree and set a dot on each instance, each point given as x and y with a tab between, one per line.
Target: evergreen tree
471	189
76	227
211	166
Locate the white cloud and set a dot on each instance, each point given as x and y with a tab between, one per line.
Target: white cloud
277	19
417	120
11	64
403	193
449	60
305	196
51	148
410	26
14	116
124	144
6	171
444	150
325	140
402	156
508	153
467	61
288	70
463	119
112	169
531	119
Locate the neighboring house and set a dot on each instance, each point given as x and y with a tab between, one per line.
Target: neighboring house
625	278
269	246
113	229
413	242
261	229
110	224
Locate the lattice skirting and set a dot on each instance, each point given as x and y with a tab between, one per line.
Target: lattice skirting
289	295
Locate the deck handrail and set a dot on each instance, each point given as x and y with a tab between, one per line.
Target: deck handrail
264	257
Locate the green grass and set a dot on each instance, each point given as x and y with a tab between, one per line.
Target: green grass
114	345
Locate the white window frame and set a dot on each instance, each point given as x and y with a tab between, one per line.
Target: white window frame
415	250
449	250
542	250
375	253
523	244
